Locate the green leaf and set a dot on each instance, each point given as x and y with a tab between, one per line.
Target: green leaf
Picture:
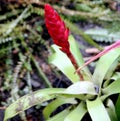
111	110
55	104
82	87
78	57
113	88
30	100
116	76
75	50
117	108
97	110
60	116
77	114
111	70
60	60
103	66
82	90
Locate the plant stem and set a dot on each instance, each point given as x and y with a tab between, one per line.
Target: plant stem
71	57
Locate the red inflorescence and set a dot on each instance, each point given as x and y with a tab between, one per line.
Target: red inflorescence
59	33
56	28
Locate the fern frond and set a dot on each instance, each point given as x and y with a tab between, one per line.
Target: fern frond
15	88
38	11
103	35
16	21
4	40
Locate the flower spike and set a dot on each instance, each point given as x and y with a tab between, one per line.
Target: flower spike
59	33
56	28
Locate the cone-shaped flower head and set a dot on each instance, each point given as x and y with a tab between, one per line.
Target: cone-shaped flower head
56	28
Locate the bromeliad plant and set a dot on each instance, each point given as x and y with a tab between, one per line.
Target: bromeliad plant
89	93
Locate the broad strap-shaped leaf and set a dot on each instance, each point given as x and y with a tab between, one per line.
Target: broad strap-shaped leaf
78	56
97	110
60	60
104	65
55	104
83	87
77	114
30	100
82	90
60	116
113	88
114	76
111	110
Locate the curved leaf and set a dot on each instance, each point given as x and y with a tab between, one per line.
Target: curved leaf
97	110
111	110
55	104
113	88
82	90
60	116
60	60
77	114
30	100
117	107
104	65
76	51
82	87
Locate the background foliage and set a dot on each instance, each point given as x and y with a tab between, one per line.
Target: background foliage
25	43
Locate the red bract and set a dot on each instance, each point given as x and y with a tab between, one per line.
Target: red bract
56	28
